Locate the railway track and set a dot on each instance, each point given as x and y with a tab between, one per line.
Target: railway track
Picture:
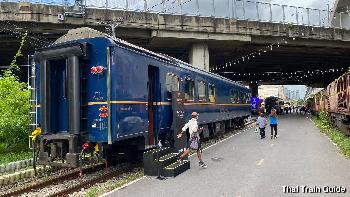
89	182
51	180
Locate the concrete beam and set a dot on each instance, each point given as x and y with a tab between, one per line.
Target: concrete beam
191	27
199	56
200	36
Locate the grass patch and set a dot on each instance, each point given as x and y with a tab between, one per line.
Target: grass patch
10	157
95	191
341	140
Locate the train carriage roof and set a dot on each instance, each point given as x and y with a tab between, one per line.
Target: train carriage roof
86	32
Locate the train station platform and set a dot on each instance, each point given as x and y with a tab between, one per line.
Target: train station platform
245	165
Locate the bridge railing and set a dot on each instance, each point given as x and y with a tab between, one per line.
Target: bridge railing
237	9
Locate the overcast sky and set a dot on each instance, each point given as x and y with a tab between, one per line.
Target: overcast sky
205	5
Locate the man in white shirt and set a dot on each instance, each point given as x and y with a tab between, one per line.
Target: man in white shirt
193	143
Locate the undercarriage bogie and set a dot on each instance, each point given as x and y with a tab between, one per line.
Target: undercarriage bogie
67	151
341	121
59	150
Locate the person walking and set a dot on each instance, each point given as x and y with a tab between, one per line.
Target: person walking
261	122
273	123
194	142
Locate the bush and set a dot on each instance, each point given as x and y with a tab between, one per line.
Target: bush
14	108
342	141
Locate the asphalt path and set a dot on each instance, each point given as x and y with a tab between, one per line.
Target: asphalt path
245	165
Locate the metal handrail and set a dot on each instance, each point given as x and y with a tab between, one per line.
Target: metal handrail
235	9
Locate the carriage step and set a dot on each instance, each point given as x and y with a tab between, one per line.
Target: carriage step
176	168
150	160
157	153
168	159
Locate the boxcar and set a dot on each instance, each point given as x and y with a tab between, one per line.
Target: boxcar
105	92
337	106
334	100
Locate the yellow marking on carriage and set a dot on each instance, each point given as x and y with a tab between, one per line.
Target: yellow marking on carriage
130	102
97	103
162	103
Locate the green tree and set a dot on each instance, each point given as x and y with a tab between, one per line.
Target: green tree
14	107
300	102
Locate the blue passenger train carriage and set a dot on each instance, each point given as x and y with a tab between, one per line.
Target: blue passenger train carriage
102	92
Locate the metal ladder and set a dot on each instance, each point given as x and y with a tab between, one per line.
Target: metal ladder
33	97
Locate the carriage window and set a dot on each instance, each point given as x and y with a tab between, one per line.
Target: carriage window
189	89
201	91
241	97
172	82
247	101
234	96
211	93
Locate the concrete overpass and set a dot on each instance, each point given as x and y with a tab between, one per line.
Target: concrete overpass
341	15
206	42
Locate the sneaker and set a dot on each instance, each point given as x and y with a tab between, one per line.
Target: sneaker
179	159
275	136
271	136
202	164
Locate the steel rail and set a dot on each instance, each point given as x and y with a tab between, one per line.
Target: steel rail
56	178
87	183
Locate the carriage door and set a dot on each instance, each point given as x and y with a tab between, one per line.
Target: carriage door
153	100
59	102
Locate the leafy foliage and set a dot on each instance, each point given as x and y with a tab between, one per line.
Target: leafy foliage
10	157
14	108
300	102
342	141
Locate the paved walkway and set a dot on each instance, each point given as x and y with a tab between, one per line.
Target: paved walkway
245	165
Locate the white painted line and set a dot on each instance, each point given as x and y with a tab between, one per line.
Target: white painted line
260	162
218	142
123	186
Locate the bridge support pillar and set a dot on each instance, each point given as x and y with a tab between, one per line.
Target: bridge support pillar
254	87
199	56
